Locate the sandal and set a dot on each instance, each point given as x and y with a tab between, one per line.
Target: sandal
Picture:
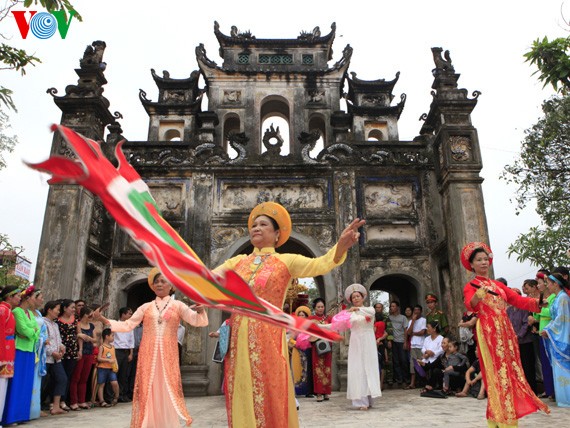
104	404
115	401
410	387
57	412
319	398
84	406
74	408
363	408
327	398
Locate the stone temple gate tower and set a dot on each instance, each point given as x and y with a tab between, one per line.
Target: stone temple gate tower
285	123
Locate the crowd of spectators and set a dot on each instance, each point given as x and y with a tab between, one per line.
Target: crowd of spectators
57	357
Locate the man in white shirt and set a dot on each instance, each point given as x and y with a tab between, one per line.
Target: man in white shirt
124	344
417	332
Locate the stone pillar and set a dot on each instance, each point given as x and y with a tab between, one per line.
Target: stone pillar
196	380
456	145
346	209
65	236
208	121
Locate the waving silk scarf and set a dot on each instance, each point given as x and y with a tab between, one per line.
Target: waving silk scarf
127	198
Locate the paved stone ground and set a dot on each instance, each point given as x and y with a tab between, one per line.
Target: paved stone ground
397	408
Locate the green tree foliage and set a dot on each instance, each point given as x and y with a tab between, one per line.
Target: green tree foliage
7	143
553	62
542	175
542	170
13	58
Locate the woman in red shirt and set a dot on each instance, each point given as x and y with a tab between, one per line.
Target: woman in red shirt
381	334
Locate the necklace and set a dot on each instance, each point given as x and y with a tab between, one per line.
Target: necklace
160	311
260	258
322	319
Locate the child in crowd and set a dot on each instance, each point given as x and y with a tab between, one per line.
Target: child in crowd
107	368
455	367
473	382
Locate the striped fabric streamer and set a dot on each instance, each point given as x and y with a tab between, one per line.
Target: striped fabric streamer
127	198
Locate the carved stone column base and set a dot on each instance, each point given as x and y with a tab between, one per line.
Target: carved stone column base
195	380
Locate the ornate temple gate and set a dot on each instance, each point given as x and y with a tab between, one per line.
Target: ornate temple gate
422	199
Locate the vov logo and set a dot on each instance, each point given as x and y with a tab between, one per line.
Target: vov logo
43	25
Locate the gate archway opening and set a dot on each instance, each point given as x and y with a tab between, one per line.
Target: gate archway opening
402	288
138	294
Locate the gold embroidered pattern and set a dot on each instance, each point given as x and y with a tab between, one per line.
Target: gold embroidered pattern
509	395
268	357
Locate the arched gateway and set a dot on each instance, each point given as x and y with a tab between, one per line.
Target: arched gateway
421	198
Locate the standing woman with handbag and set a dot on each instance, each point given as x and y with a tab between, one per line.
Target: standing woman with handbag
67	324
78	384
322	362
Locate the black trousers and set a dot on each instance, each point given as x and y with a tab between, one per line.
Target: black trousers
400	364
123	373
68	367
528	361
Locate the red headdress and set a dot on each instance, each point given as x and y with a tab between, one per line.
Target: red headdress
468	250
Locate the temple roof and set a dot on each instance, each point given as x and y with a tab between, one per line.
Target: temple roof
166	82
379	85
246	39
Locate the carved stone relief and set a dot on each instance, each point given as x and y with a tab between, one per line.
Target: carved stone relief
170	198
316	96
375	100
174	97
232	97
223	237
244	197
460	147
388	200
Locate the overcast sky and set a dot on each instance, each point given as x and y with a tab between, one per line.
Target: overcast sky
487	40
